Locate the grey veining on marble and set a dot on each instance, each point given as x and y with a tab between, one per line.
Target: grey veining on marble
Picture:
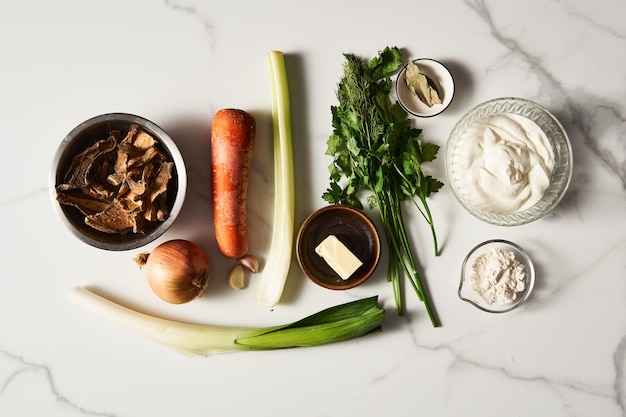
589	112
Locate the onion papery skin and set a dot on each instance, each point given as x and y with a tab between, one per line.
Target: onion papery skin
177	271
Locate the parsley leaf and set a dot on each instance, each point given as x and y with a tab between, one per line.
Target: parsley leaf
375	148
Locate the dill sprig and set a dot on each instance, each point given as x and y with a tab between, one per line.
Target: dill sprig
374	147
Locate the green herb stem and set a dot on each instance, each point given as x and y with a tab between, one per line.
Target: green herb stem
375	148
401	255
429	218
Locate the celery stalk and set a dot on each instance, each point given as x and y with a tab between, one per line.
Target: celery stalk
335	324
272	281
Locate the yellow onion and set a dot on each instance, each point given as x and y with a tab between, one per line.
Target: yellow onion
177	271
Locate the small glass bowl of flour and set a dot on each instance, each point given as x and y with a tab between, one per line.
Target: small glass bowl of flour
497	276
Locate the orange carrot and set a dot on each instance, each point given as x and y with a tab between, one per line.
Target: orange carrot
232	140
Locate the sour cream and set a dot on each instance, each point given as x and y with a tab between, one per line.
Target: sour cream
508	162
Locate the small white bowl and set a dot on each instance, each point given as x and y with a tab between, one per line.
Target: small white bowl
442	78
466	290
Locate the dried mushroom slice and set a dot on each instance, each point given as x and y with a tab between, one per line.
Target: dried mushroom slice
143	140
121	216
136	149
156	197
123	150
84	203
159	185
158	210
100	191
78	175
119	185
115	179
137	187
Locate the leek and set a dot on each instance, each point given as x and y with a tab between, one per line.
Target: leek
335	324
272	282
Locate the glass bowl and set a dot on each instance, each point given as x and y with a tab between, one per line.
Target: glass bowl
440	76
468	293
558	141
87	134
354	229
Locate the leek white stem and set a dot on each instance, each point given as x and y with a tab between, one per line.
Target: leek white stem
335	324
272	281
188	339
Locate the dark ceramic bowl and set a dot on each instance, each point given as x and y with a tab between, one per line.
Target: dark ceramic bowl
354	229
85	135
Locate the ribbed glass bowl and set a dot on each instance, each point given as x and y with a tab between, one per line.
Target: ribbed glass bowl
557	137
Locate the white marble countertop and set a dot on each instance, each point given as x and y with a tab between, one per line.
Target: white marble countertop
176	62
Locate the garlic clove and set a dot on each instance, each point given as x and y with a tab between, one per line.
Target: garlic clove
250	263
236	277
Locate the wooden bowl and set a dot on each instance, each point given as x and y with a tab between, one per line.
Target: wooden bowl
354	229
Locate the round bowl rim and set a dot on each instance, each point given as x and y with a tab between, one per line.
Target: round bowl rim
353	281
406	108
561	175
166	141
530	275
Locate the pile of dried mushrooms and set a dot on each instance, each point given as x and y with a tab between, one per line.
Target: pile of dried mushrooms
119	184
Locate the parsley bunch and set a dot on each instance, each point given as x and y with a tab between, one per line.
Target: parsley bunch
375	148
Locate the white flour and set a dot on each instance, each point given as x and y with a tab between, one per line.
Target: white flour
497	276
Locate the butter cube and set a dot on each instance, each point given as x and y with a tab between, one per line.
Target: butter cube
338	257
